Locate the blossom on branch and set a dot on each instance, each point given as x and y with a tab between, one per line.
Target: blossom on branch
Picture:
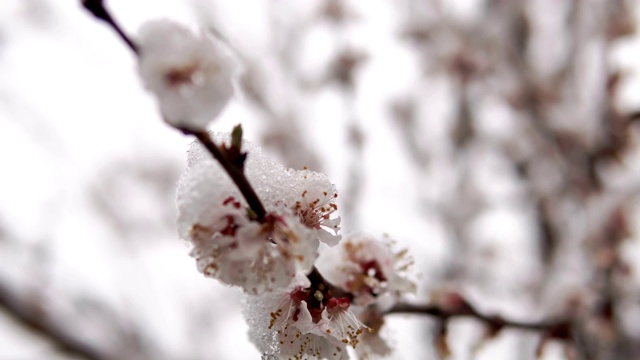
259	257
314	201
367	268
305	322
190	75
229	243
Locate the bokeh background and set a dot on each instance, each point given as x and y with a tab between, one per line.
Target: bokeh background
494	139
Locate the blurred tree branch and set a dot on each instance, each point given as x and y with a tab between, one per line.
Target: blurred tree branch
34	319
560	329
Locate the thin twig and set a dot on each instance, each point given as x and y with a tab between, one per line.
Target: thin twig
33	320
96	7
557	328
236	173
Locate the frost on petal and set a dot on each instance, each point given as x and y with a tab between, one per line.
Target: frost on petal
228	245
301	338
270	179
313	199
275	321
190	75
367	268
310	195
304	322
204	185
259	257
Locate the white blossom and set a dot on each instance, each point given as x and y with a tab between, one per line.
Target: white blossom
191	75
230	246
314	200
304	322
367	268
259	257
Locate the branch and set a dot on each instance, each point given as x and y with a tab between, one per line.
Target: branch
560	329
236	173
32	319
96	7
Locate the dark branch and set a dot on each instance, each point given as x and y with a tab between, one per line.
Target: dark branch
233	168
33	319
235	172
96	7
560	329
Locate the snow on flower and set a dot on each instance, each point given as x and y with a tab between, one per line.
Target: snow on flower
259	257
305	322
191	75
366	268
314	201
231	246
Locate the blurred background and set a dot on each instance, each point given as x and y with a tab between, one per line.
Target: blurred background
495	139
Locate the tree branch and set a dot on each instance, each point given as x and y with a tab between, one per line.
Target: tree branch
96	7
560	329
33	320
235	172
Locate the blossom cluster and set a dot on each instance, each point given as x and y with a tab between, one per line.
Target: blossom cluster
310	293
305	301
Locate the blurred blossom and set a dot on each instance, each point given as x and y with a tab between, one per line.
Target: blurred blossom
191	75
